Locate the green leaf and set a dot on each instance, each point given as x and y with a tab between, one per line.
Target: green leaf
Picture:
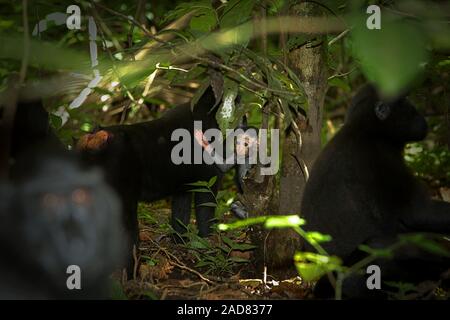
228	241
241	223
317	237
200	190
236	12
340	83
226	113
55	121
310	271
431	245
149	260
198	184
197	244
382	253
239	260
312	266
392	56
237	246
284	222
204	19
117	292
402	287
49	56
203	14
212	181
208	204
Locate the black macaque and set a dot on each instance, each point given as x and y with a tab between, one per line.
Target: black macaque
32	138
54	213
138	164
361	191
60	215
31	129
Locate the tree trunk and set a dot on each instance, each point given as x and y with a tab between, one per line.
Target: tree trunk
277	247
309	63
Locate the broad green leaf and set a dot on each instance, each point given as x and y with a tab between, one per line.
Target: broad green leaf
204	19
236	12
312	266
392	56
310	271
228	241
226	114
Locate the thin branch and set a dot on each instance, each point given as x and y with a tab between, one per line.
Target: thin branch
341	74
26	43
338	37
180	265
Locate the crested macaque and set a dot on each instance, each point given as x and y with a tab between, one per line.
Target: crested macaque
360	190
139	163
58	215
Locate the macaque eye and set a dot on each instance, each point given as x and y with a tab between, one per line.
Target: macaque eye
51	203
50	200
81	196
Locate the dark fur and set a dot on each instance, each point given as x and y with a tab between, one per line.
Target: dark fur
137	162
62	215
360	188
50	204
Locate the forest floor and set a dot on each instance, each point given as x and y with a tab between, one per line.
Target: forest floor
215	268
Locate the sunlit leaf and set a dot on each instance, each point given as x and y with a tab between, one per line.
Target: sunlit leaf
317	237
284	221
312	266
